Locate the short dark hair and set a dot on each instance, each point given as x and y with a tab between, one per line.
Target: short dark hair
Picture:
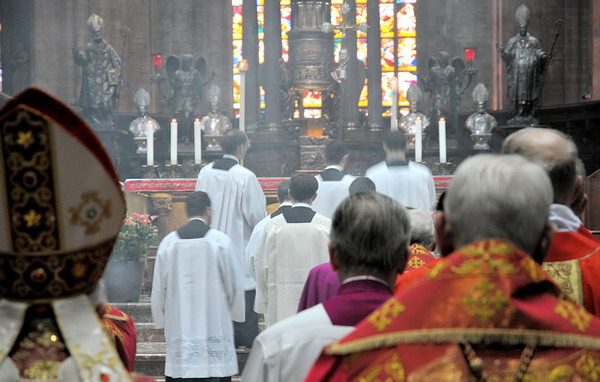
232	139
394	140
303	187
361	184
335	151
197	203
283	189
370	233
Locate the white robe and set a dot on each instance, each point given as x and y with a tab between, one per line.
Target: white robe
238	204
411	185
196	293
287	254
287	350
330	194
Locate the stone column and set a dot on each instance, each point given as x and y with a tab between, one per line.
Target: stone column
271	67
350	40
250	53
375	121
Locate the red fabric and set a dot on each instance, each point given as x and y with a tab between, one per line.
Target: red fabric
489	294
121	328
583	246
419	263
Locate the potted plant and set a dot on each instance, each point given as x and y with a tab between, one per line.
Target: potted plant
125	270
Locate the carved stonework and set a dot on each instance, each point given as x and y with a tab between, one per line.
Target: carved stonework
312	152
162	203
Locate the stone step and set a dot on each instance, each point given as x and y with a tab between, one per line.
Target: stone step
150	358
145	332
139	311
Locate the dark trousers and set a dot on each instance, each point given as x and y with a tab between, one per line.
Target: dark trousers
245	332
212	379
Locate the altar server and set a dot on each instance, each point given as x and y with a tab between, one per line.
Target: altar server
197	291
407	182
333	181
295	241
368	248
238	204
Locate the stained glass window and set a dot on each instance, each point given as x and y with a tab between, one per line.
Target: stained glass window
404	33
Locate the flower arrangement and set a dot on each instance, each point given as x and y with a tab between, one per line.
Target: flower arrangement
137	234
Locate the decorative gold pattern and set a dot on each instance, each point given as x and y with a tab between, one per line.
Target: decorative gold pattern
575	314
561	373
589	366
533	269
394	370
384	316
90	212
415	262
26	143
102	363
42	370
437	268
487	258
567	274
485	301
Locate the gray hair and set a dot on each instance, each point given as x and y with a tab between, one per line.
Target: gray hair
370	234
421	228
553	150
502	196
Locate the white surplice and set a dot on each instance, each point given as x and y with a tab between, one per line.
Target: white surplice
287	254
238	204
411	185
197	291
330	194
287	350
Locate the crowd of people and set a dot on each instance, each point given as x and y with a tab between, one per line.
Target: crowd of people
371	278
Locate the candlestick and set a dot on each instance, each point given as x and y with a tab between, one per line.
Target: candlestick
197	142
243	67
442	139
394	122
418	140
173	141
150	145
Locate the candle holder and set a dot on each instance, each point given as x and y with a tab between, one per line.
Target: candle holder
149	172
172	171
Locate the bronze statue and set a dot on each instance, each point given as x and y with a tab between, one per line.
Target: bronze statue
101	77
408	122
188	79
349	89
525	62
481	123
215	124
139	126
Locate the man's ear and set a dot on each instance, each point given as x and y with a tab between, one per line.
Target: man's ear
402	265
335	264
444	234
544	243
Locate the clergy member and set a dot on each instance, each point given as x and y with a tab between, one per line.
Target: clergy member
197	291
485	312
368	248
333	181
407	182
238	204
574	256
295	241
258	233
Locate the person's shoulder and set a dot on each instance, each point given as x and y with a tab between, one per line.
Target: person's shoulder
375	168
322	220
416	166
218	237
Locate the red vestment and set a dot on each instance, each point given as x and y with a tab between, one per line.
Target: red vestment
121	328
420	261
573	261
490	295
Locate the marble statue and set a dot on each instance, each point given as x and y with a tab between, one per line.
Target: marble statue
215	124
525	62
139	126
101	79
481	123
408	122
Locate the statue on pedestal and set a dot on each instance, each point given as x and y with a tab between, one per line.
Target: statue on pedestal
101	77
481	123
350	75
215	124
139	126
408	122
188	79
525	62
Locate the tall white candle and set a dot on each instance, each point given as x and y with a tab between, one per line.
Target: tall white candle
197	142
418	140
173	141
150	145
394	122
442	136
242	100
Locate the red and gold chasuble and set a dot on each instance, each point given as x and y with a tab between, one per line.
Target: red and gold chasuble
490	296
121	328
420	261
573	261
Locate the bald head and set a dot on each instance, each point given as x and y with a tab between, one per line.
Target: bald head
552	149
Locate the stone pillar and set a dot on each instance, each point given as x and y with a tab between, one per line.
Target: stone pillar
250	53
272	80
350	39
375	120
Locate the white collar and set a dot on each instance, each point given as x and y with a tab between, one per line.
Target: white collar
198	218
286	203
301	205
335	167
231	157
364	277
563	218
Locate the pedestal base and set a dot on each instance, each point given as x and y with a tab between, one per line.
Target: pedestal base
312	152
